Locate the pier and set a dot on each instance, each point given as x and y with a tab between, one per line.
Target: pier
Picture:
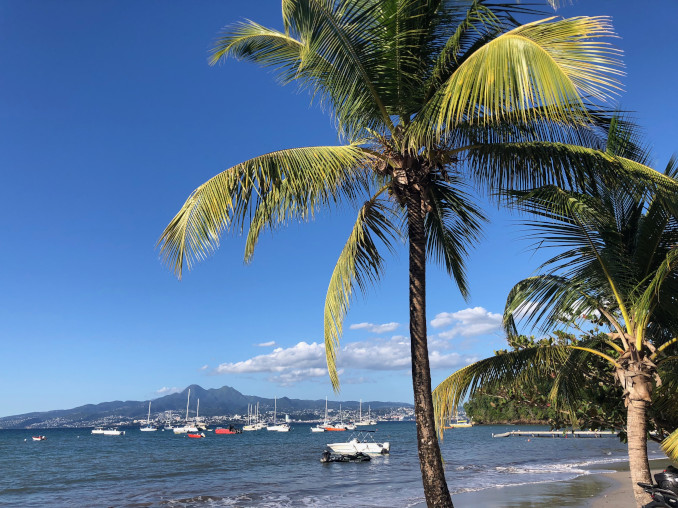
558	433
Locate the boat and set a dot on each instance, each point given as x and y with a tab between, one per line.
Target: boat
459	423
338	457
149	427
277	427
186	428
230	430
253	422
365	422
319	427
107	432
338	427
38	438
195	435
362	442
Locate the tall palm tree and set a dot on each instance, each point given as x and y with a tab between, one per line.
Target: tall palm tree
619	265
427	96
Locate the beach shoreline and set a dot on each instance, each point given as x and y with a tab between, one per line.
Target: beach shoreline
594	490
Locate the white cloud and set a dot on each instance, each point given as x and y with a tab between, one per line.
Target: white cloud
301	356
204	367
167	391
305	361
467	323
270	343
371	327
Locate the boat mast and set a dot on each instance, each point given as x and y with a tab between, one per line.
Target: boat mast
325	410
187	401
148	420
361	410
197	410
275	409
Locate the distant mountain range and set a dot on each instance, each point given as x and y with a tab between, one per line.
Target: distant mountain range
213	402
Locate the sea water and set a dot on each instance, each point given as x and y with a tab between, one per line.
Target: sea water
270	469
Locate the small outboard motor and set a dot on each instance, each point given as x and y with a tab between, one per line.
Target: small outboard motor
668	479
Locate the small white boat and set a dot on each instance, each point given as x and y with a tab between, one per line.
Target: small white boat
38	438
318	428
361	442
107	432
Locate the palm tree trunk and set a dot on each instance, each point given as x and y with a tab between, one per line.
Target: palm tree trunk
636	428
430	460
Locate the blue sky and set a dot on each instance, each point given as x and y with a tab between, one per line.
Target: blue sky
110	117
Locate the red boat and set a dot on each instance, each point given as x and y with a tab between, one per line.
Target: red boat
196	436
39	438
229	430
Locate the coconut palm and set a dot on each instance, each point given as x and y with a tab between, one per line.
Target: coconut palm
427	96
619	266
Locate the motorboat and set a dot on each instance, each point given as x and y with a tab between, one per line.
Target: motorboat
230	430
459	423
38	438
361	442
334	457
107	432
196	435
318	428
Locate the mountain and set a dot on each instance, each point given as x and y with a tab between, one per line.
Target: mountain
213	402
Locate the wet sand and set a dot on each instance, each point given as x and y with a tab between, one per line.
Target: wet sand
604	490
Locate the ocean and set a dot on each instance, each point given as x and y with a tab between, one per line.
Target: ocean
73	468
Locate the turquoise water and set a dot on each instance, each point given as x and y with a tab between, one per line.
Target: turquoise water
271	469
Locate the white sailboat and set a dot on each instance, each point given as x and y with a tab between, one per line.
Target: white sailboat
366	422
186	427
148	427
282	427
253	422
321	428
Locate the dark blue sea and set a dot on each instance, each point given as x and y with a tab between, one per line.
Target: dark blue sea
73	468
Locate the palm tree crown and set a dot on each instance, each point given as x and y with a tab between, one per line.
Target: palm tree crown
427	96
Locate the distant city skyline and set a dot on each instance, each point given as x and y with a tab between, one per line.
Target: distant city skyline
111	116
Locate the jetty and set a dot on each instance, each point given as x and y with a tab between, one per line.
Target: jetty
557	433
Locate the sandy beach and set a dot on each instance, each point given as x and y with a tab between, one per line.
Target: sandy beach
604	490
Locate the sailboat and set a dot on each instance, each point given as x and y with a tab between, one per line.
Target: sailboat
186	427
337	427
321	428
282	427
148	427
253	422
366	422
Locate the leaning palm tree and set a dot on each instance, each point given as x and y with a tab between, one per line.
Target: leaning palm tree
619	267
427	97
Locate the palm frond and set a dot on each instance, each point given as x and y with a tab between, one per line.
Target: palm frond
527	364
453	225
670	446
359	265
270	189
548	64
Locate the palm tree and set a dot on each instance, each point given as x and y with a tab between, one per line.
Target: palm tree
427	96
619	267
